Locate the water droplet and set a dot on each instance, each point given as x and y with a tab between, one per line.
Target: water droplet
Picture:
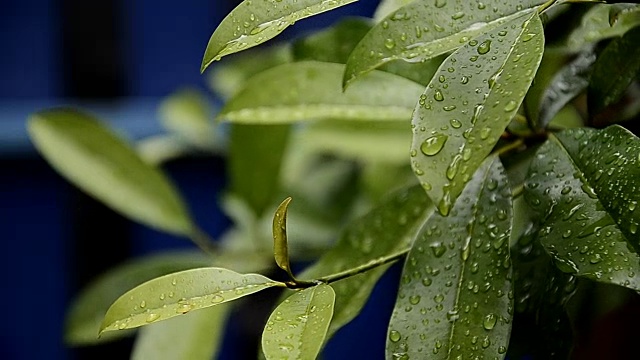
527	37
438	95
414	300
484	133
434	144
511	105
438	249
426	281
489	321
151	317
438	298
502	33
464	80
455	123
143	304
394	336
566	234
452	169
217	299
441	3
389	43
486	342
596	258
458	15
449	108
484	47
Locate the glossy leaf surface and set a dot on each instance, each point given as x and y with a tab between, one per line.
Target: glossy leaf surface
468	104
179	293
386	7
455	298
195	336
82	322
297	328
584	184
96	160
424	29
385	230
253	22
311	90
604	21
568	83
617	66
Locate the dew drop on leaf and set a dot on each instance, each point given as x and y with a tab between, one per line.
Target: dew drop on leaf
434	144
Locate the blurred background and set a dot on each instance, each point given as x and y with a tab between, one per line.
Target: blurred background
117	59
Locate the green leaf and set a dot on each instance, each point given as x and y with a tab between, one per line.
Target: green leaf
470	101
387	229
422	30
82	321
584	185
617	66
386	7
333	44
311	90
229	76
568	83
604	21
93	158
455	298
255	159
297	328
188	113
195	336
179	293
253	22
366	141
280	245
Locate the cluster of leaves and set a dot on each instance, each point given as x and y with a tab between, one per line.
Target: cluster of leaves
459	129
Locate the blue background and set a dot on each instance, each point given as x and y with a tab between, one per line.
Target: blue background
118	64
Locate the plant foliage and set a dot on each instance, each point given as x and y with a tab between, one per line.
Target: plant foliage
463	138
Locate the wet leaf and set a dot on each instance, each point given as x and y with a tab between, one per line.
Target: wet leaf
617	66
541	294
195	336
179	293
255	159
333	44
311	90
584	185
280	245
604	21
386	7
82	322
422	30
297	328
253	22
105	166
385	230
568	83
468	104
455	298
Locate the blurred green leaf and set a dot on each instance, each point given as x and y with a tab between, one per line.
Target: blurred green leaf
387	229
604	21
614	70
82	322
189	114
568	83
422	30
311	90
254	162
489	74
333	44
366	141
195	336
584	186
179	293
456	297
253	22
229	76
96	160
297	328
